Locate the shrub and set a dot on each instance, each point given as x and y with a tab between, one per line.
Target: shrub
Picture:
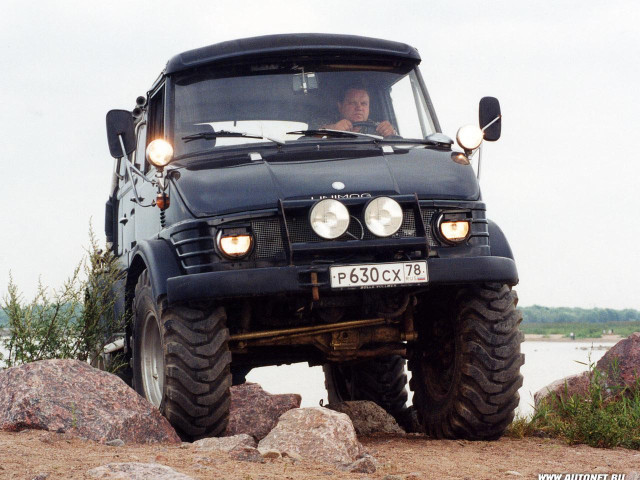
606	416
75	321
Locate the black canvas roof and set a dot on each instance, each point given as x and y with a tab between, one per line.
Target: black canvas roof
290	45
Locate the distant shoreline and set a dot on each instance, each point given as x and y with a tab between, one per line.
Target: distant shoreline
559	337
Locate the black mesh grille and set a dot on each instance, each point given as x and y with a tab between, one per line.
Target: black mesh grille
268	235
427	216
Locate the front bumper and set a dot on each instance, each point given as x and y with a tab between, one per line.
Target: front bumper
296	279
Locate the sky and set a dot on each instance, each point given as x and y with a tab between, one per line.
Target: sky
562	182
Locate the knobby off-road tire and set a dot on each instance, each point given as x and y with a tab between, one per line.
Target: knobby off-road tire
380	380
181	363
466	370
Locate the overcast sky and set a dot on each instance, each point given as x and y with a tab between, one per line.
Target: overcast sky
562	182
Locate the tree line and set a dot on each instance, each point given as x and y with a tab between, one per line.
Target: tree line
540	314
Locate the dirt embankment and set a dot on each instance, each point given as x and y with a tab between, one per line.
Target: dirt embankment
28	454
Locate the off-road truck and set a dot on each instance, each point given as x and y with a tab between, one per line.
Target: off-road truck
251	234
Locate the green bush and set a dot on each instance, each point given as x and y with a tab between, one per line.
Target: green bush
75	321
607	416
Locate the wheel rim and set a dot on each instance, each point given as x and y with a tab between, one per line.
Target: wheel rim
152	361
439	365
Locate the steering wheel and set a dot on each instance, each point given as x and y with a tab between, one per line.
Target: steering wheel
368	126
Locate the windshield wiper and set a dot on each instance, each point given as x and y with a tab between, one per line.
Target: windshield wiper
325	132
226	133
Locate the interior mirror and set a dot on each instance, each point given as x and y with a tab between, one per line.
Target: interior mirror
120	122
491	118
303	82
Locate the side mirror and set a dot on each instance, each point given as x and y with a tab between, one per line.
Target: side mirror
490	115
120	123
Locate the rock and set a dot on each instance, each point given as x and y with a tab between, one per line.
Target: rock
367	417
621	366
621	363
255	412
136	471
565	387
366	464
514	473
246	454
225	444
71	396
314	433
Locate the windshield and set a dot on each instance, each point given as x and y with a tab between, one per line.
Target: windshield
269	102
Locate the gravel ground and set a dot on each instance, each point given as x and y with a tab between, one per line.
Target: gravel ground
26	455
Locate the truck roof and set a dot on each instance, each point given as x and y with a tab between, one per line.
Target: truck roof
291	44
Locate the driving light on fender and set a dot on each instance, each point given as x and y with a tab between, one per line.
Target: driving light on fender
383	216
455	231
235	246
329	218
469	137
159	153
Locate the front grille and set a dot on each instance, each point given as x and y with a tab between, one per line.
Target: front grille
269	234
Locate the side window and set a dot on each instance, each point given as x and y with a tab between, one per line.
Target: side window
155	119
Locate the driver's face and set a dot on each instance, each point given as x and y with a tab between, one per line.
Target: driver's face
355	106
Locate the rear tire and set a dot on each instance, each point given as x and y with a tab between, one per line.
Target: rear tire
181	363
380	380
466	365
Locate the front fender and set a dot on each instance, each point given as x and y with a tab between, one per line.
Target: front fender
159	258
498	242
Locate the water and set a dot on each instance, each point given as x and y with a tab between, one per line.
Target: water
544	363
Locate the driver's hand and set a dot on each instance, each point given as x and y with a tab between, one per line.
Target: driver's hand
385	129
343	125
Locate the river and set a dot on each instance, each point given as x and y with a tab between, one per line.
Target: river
544	363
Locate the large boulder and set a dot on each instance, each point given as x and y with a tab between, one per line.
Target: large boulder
255	412
314	433
367	417
71	396
620	367
621	363
565	387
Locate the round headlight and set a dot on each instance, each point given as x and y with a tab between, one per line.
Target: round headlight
329	218
469	137
159	153
455	231
235	246
383	216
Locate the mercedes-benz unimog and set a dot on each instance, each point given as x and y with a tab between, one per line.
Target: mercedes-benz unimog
291	198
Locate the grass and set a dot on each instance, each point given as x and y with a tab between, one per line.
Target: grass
605	417
581	330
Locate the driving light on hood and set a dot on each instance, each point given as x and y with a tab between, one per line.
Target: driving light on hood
159	153
329	219
469	137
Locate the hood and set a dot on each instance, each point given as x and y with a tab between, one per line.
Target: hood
259	185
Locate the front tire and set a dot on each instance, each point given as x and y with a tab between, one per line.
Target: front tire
380	380
466	364
181	363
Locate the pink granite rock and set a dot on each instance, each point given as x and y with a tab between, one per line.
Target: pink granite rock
255	412
368	417
136	471
622	362
71	396
314	433
565	387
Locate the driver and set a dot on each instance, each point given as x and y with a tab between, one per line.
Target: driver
353	108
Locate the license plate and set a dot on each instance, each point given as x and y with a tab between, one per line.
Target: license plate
378	274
